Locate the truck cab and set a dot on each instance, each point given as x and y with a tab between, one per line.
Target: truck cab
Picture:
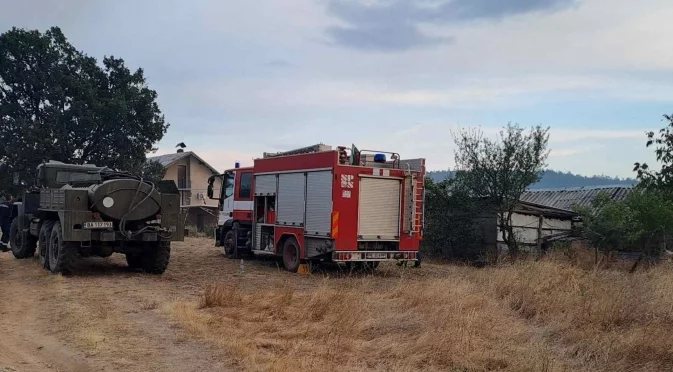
234	201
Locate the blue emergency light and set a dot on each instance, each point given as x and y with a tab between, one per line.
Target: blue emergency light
237	165
379	158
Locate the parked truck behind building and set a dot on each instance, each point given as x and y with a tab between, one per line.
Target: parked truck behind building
318	204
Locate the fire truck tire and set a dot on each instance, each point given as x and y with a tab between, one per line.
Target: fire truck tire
291	259
229	242
23	244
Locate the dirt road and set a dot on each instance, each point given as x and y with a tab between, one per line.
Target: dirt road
107	318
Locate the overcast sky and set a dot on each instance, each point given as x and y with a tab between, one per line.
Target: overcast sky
237	78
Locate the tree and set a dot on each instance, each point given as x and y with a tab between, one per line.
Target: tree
57	103
663	178
452	228
151	170
638	223
501	170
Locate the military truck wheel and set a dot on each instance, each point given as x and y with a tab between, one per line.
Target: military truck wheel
43	243
230	241
155	260
62	254
23	244
291	259
134	261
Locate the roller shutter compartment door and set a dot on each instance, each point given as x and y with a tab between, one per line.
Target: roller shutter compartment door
319	203
379	209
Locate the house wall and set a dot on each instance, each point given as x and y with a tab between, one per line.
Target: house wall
526	228
199	175
197	182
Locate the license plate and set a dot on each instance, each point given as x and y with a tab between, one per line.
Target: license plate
377	255
98	225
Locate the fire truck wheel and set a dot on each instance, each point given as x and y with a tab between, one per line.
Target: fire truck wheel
230	244
291	258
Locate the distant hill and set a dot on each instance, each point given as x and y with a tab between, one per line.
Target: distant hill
553	180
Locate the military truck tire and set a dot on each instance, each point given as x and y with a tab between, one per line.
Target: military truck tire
62	255
43	243
291	257
155	260
134	261
23	244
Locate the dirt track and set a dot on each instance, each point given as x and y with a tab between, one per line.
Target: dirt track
107	318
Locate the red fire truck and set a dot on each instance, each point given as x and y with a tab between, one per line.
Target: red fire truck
319	204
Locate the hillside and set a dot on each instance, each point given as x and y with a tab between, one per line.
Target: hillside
553	179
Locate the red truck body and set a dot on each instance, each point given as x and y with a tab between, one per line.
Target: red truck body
317	204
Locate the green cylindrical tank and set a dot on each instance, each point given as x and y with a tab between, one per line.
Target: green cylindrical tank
114	199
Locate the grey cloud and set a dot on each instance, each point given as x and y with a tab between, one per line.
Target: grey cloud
393	25
277	63
383	37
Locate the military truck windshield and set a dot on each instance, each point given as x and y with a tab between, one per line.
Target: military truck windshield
77	177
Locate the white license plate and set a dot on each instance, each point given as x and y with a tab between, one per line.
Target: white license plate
377	255
98	225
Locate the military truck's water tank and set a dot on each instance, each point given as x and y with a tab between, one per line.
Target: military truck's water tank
112	199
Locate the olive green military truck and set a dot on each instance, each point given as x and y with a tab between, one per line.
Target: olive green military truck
78	211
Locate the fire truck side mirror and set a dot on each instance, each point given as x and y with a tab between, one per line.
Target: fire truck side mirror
210	188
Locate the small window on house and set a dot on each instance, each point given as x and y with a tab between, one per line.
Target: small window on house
182	177
246	185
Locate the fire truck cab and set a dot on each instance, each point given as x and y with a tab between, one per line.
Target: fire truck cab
319	204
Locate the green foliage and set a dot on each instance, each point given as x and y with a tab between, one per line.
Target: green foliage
663	141
638	223
150	170
501	170
56	103
453	227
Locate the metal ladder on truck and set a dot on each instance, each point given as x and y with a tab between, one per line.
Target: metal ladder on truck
413	200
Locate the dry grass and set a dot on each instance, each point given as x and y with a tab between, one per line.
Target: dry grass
530	316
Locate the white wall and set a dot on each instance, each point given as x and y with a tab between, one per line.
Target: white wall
525	227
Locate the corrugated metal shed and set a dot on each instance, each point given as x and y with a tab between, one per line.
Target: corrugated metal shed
567	198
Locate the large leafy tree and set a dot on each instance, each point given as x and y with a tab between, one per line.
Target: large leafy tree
500	170
662	141
57	103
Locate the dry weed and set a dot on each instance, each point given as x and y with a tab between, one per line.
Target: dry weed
549	315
